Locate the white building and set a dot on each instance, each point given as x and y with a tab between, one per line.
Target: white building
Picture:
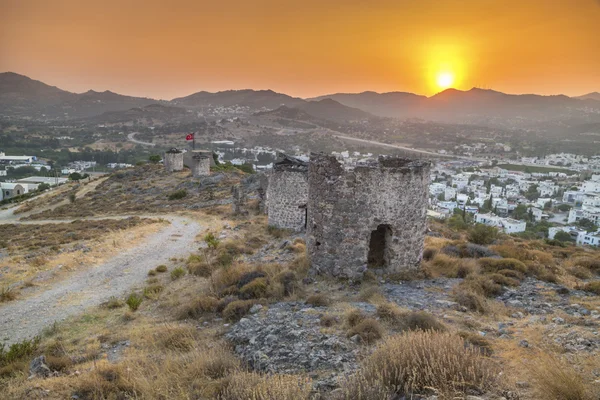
508	225
590	239
10	190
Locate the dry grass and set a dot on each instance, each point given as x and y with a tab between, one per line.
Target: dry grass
452	267
267	387
318	300
7	294
368	330
419	362
555	379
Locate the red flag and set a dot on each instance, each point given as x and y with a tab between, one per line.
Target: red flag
190	136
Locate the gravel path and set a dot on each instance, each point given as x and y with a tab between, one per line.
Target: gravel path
24	319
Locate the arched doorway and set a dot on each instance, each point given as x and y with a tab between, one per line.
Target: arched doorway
378	247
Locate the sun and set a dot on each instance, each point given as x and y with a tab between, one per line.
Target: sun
445	80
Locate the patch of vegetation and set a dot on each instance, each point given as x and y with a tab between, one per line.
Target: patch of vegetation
134	301
177	273
178	194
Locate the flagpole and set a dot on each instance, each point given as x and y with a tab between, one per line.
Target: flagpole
194	141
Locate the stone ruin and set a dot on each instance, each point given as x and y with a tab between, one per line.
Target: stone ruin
287	193
200	164
173	160
369	217
239	199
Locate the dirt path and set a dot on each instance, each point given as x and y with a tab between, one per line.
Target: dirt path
24	319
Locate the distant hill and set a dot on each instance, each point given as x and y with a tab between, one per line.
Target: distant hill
25	97
476	106
315	111
150	115
382	104
253	99
590	96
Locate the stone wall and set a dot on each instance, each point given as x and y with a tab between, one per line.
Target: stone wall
173	161
371	216
200	165
287	190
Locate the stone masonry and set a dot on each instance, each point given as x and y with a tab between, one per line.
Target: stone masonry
368	217
200	165
173	160
287	194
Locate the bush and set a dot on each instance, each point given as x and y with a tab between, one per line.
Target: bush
415	362
151	272
161	268
237	309
198	307
592	287
483	234
420	320
150	292
328	320
256	289
354	317
177	273
318	300
211	240
557	380
175	337
497	264
7	294
113	303
134	301
470	299
178	194
18	351
250	385
369	330
429	253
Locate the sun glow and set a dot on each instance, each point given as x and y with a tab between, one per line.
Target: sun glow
445	80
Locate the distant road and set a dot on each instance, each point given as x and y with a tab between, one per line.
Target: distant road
131	138
431	153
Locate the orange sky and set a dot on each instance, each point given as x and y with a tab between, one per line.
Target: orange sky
172	48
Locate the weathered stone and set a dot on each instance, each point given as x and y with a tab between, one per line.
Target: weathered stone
287	194
173	160
38	367
372	215
200	163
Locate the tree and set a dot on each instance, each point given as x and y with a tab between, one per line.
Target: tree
564	207
483	234
520	212
563	236
490	203
76	176
441	197
43	187
587	224
154	158
548	205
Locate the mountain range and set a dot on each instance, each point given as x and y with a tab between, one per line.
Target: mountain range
24	97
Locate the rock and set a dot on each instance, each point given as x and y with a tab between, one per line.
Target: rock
522	385
558	320
255	308
524	343
38	367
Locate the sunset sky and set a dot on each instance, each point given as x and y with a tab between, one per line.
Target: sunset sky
165	49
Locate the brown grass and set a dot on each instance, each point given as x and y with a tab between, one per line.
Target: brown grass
555	379
419	362
318	300
369	330
248	385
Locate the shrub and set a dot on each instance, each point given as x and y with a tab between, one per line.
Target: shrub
177	273
18	351
198	306
318	300
592	287
249	277
289	281
369	330
277	232
580	272
250	385
161	268
178	194
152	272
389	312
429	253
420	320
59	363
483	234
328	320
255	289
175	337
497	264
354	317
113	303
589	263
134	301
557	380
152	291
415	362
7	294
470	299
474	339
477	251
211	240
237	309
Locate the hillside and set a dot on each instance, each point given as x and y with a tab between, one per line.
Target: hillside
253	99
151	114
590	96
24	97
390	104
